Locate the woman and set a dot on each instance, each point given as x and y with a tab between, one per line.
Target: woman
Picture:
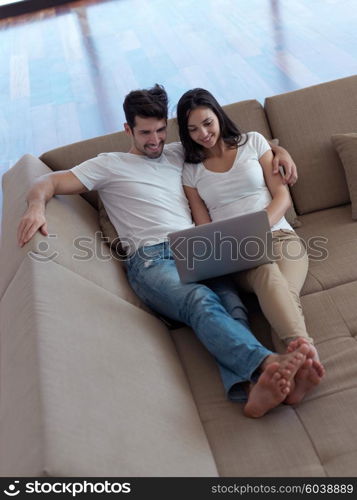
228	173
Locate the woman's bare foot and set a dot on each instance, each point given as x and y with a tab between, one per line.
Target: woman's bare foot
297	342
270	390
308	376
273	385
289	363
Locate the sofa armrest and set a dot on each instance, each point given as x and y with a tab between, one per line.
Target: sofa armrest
91	385
15	185
74	240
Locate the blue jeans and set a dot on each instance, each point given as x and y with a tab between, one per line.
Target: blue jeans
226	289
153	275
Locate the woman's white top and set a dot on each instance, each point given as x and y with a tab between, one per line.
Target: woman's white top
240	190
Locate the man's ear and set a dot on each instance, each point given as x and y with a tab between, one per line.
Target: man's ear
127	129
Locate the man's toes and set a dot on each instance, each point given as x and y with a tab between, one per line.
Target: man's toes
271	369
286	373
283	383
276	376
285	390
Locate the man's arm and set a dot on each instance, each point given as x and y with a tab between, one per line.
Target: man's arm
40	193
282	157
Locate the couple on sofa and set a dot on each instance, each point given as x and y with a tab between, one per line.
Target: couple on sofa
148	193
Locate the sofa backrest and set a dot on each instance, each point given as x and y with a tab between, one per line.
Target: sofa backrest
248	115
304	121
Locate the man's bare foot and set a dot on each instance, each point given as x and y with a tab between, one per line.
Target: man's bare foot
308	376
273	385
269	391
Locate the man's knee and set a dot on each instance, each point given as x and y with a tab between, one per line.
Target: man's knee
200	296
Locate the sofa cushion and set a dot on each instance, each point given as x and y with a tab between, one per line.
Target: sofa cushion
244	447
304	121
331	238
322	430
91	385
346	147
69	156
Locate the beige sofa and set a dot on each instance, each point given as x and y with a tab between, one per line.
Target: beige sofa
93	384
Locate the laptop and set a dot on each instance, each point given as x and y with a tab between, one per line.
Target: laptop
222	247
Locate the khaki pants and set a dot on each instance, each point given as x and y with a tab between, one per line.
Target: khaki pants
278	285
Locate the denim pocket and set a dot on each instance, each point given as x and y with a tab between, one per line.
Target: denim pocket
146	257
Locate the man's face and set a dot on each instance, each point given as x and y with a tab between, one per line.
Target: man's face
148	136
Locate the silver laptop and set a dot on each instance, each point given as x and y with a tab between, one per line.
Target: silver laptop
222	247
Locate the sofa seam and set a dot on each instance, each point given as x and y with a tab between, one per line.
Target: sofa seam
331	393
102	287
307	433
195	402
13	277
328	288
319	282
341	316
63	266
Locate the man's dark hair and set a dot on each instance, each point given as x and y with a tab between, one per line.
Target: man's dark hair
146	103
195	98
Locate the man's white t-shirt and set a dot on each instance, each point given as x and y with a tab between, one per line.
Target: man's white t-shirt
240	190
143	197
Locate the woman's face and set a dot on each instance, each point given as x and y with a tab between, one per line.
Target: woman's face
203	127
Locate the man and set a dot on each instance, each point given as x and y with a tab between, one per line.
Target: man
142	193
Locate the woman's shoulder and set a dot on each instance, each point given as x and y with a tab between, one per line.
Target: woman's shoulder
256	141
254	135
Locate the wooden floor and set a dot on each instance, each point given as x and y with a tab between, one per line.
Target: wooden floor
65	71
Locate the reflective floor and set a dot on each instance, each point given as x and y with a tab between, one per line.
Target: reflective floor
7	2
65	71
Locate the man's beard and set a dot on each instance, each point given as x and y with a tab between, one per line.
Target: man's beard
154	154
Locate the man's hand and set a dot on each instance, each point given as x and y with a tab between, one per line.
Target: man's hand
32	221
46	186
282	157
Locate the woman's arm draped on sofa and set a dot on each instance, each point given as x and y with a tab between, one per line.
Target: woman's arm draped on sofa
40	193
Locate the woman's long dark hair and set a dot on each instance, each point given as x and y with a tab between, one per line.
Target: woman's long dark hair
195	98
